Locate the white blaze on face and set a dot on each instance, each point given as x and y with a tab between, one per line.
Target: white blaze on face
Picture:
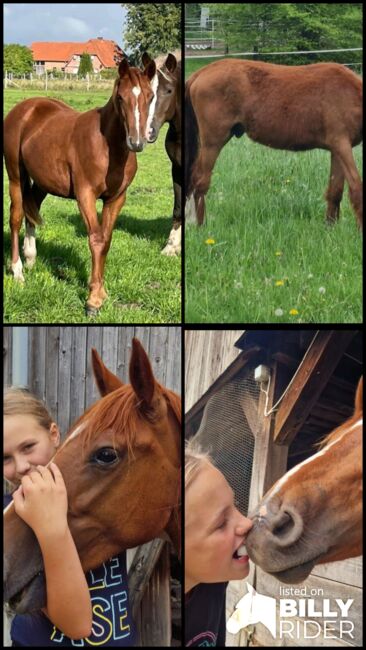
281	482
136	91
154	87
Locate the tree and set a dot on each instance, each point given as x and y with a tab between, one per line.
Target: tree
154	28
18	59
85	64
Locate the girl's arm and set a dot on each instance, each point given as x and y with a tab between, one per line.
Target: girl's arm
42	502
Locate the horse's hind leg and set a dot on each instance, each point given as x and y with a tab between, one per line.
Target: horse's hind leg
344	152
201	178
334	192
16	218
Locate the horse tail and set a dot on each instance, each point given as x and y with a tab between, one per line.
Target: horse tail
192	138
30	206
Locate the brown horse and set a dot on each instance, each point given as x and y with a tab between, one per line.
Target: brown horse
313	514
167	107
294	108
121	466
82	156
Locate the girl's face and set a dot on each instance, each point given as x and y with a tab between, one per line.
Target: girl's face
214	531
26	445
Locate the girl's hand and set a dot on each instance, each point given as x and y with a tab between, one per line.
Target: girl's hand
41	501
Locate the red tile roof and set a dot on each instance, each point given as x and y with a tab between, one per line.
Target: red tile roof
103	49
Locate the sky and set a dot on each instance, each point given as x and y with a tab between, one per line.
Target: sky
25	23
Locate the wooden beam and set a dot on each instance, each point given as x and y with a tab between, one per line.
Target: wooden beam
318	367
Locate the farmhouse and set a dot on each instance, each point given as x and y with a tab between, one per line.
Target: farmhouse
65	56
238	407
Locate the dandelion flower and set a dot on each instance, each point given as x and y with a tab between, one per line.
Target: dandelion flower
279	283
293	312
210	241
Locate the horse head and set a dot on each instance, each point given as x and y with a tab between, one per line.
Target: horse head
131	98
313	514
121	466
166	85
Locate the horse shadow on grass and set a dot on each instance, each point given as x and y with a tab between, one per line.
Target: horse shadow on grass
53	255
152	229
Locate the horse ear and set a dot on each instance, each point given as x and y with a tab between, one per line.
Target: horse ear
359	397
105	379
171	62
123	68
149	66
146	59
141	374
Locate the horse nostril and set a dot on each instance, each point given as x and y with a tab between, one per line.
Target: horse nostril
283	527
286	527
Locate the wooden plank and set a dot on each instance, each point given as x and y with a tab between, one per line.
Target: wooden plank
207	355
156	607
51	371
142	566
317	368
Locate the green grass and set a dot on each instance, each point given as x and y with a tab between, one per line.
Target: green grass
272	251
143	285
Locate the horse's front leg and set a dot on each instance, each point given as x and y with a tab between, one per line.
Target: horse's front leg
97	243
173	246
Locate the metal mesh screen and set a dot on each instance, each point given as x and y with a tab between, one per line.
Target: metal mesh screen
229	419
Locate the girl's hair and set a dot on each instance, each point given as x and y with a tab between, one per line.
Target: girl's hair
18	400
195	458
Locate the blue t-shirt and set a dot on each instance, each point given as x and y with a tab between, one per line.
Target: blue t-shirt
112	620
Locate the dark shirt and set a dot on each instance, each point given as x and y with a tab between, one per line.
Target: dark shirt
112	620
205	615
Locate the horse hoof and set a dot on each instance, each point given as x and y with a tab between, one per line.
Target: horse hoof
92	312
172	251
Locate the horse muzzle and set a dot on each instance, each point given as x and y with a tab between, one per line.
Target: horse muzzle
152	135
135	145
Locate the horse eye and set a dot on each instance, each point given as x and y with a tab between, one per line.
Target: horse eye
169	91
105	456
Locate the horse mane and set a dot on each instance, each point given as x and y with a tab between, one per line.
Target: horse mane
336	433
119	411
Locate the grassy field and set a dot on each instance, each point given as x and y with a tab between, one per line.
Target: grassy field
265	254
143	285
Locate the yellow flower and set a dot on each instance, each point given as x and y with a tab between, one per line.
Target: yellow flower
209	241
294	312
279	283
278	253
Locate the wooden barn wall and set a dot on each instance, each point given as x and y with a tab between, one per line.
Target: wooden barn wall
59	362
207	355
